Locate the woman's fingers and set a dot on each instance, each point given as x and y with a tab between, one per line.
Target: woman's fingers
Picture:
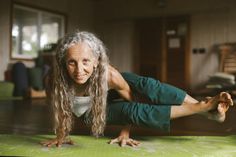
53	142
136	142
57	142
68	141
124	141
48	143
114	141
132	143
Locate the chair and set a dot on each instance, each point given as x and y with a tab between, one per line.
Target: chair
228	58
224	80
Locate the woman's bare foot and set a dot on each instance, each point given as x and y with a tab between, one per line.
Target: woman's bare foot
223	97
219	114
218	106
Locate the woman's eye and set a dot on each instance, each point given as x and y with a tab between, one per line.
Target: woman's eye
86	61
71	62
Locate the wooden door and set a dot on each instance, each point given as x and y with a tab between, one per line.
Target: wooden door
163	45
150	47
177	51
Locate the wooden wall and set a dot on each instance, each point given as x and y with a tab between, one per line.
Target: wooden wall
212	22
208	29
79	16
4	36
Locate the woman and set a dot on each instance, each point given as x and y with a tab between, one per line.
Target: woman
80	82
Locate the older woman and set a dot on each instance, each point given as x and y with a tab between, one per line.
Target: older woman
80	82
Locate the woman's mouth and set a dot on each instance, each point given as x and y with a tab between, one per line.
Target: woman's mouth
79	77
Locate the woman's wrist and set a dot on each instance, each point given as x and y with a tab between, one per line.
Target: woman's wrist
125	131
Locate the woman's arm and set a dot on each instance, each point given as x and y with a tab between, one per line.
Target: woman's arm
61	137
117	82
123	139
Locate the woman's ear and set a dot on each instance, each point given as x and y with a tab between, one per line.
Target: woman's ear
95	64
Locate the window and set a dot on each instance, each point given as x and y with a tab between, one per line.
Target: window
32	30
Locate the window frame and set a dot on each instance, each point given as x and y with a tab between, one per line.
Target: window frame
39	12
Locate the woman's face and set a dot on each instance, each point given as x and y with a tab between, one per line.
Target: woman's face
80	62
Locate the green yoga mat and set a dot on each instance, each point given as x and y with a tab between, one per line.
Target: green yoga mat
87	146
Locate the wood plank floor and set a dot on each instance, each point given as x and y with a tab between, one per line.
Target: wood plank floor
35	117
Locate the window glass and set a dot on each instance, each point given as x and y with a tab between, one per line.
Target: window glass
32	30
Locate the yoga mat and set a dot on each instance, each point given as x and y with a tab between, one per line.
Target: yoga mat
152	146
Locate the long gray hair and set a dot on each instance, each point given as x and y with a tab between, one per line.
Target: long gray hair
63	89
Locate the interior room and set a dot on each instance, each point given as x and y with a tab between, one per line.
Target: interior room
188	44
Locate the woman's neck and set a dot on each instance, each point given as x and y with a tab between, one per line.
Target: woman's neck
81	90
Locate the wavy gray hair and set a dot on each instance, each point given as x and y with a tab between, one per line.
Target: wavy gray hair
63	91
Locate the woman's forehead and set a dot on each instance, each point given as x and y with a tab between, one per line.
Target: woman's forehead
80	49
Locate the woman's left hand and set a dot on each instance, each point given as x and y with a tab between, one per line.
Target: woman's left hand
122	141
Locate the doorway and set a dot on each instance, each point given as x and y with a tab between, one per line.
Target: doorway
163	49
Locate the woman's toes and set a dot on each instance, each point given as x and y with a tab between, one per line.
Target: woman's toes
221	108
220	115
226	98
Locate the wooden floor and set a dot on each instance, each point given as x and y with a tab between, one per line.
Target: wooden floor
26	123
35	117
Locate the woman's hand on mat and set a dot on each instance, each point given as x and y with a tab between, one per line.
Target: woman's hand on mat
124	139
58	142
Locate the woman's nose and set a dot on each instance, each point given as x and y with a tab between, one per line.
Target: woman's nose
79	68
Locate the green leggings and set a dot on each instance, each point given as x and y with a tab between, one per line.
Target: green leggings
155	114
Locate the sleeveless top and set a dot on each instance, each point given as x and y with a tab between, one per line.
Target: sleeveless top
81	105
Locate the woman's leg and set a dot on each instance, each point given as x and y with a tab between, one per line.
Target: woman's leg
140	114
161	93
159	116
155	91
220	103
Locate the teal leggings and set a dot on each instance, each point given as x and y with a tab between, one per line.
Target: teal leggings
155	113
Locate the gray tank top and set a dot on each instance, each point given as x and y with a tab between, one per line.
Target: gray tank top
81	105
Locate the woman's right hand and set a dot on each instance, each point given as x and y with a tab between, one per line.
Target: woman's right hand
57	141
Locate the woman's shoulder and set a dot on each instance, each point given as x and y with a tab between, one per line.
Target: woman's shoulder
112	71
116	79
113	76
